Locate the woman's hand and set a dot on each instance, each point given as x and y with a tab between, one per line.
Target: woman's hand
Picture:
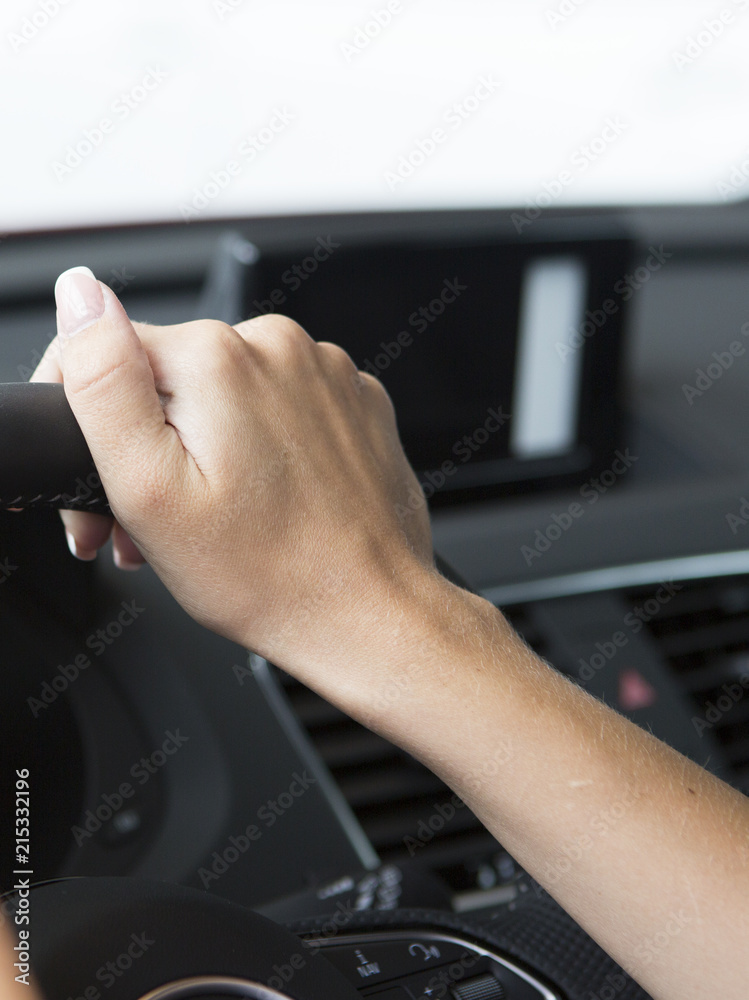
262	477
257	471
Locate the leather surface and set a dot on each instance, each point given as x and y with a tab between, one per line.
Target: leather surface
44	458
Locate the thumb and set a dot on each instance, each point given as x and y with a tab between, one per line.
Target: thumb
110	385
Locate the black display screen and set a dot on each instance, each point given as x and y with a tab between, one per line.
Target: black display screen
451	331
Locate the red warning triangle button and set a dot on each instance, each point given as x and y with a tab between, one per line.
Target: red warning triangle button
634	691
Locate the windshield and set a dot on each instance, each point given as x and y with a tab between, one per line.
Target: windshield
134	111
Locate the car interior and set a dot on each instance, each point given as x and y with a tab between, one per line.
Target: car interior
569	376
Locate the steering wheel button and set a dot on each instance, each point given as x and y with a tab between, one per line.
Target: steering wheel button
484	987
376	962
442	982
394	993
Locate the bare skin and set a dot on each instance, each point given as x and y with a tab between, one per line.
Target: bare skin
263	479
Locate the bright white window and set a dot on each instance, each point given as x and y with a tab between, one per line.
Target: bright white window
139	110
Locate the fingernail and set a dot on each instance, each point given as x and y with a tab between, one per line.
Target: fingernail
121	563
79	300
87	555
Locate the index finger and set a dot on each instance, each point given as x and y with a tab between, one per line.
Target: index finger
86	533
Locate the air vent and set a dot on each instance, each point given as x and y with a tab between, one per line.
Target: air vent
404	809
703	634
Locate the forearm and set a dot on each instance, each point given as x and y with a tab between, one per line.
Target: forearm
262	477
644	848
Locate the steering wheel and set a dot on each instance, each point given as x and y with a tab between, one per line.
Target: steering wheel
125	938
46	461
122	938
130	939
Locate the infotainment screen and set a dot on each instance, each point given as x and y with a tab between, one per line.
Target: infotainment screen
500	355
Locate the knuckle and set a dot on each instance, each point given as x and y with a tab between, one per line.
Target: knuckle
208	349
207	335
378	393
277	334
369	380
285	326
336	356
290	340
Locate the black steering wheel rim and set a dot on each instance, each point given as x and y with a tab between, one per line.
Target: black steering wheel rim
127	938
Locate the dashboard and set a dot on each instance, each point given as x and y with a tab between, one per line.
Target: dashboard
160	753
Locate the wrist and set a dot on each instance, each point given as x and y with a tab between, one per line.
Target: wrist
409	655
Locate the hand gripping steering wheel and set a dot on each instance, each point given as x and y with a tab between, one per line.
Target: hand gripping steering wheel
126	939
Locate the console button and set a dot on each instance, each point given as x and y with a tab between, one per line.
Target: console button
377	962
